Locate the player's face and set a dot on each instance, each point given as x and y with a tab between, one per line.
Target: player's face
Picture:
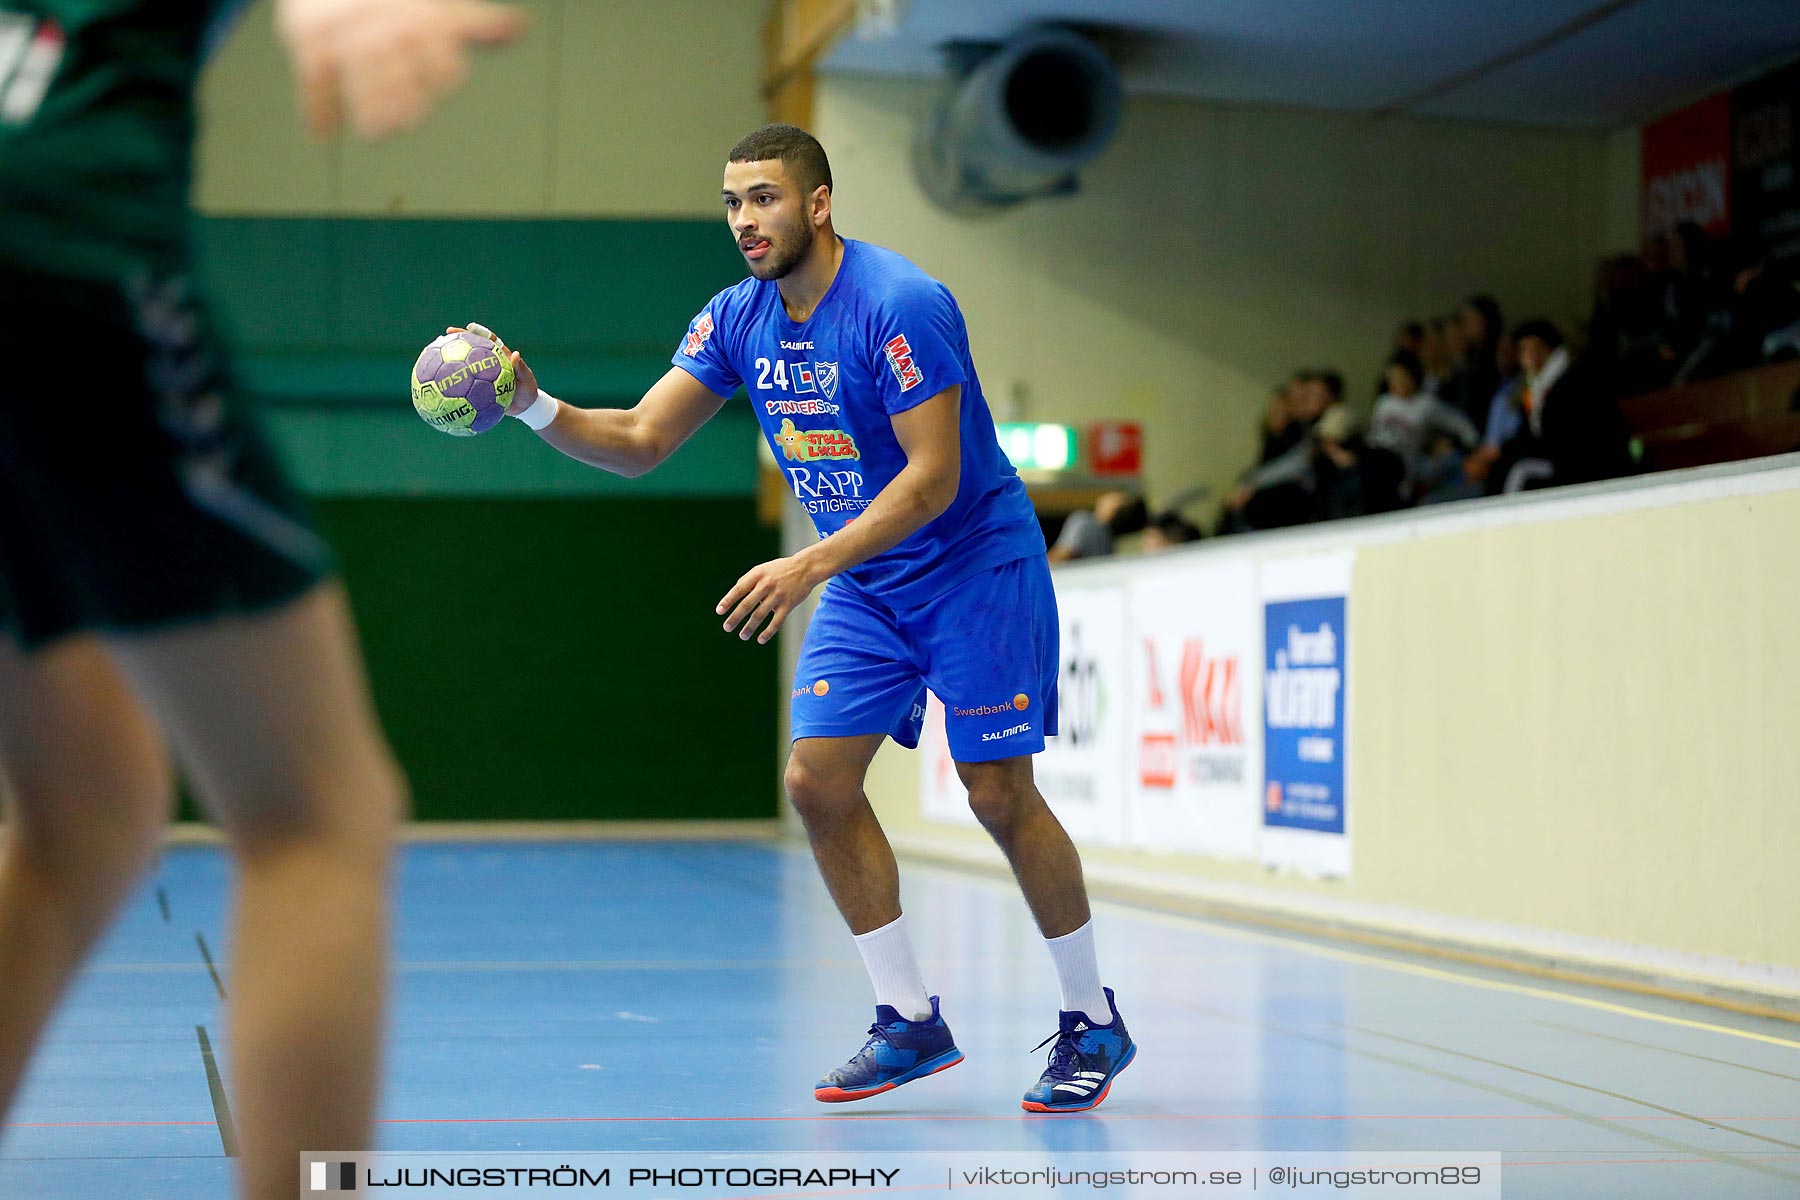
769	216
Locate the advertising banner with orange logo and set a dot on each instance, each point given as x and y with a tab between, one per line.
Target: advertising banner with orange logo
1194	770
1082	769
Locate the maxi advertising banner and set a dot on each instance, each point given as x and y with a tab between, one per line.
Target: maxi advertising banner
1685	161
1082	769
1195	646
1306	708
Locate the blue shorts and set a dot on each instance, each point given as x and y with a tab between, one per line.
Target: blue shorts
987	648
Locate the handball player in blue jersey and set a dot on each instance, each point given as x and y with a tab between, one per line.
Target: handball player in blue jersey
857	364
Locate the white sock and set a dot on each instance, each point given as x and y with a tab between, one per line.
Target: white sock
1078	973
888	954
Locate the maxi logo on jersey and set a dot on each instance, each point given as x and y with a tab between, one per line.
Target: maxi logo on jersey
696	338
900	358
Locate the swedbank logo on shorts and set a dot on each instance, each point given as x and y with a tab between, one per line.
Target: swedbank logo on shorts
1019	703
818	689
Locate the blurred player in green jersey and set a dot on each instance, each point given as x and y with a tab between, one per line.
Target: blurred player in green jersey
160	589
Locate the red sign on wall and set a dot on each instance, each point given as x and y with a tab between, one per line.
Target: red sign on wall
1115	448
1687	168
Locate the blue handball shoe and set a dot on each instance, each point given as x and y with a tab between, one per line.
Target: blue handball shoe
1083	1063
898	1051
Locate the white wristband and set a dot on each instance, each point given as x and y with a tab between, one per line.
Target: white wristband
540	412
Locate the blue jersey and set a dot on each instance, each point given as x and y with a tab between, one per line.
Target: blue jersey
884	338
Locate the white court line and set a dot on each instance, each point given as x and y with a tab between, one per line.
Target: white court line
1180	921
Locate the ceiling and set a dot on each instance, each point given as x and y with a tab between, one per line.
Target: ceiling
1583	64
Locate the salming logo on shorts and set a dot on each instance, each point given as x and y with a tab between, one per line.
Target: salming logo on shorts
183	374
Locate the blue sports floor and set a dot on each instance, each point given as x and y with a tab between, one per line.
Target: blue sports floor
684	996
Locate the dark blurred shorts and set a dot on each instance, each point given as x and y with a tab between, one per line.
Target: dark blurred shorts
137	491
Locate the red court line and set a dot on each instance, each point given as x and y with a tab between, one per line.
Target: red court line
934	1117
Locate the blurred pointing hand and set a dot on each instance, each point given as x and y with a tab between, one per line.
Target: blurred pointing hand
381	66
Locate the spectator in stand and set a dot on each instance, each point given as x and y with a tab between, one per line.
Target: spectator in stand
1282	429
1757	319
1416	425
1409	336
1166	531
1692	295
1623	329
1505	417
1572	431
1477	376
1438	353
1308	394
1095	534
1324	388
1334	474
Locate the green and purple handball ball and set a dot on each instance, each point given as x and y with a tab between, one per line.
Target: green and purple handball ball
462	384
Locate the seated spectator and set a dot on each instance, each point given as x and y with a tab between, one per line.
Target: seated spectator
1313	391
1168	530
1334	474
1476	377
1095	534
1282	428
1505	417
1623	330
1692	293
1572	431
1409	336
1410	422
1757	321
1438	352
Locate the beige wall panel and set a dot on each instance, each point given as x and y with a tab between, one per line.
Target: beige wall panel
486	152
1587	727
253	156
651	98
607	110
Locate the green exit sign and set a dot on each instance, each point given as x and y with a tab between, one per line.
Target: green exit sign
1035	446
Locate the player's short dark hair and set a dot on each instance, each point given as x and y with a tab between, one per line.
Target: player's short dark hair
798	150
1334	383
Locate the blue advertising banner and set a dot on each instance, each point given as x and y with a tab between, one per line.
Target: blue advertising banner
1305	651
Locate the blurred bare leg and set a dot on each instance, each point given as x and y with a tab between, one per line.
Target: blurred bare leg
86	794
272	719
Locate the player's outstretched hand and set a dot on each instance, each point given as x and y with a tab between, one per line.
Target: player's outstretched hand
380	66
525	387
772	591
